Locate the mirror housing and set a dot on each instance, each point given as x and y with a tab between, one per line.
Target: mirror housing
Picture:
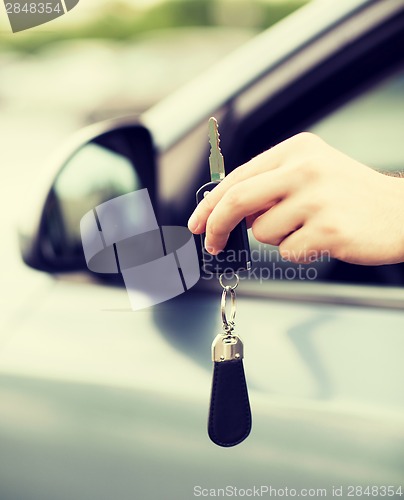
101	162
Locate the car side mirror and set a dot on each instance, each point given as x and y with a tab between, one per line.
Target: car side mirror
107	160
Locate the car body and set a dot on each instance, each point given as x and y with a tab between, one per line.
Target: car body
99	401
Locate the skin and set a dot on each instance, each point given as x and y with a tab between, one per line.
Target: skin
309	199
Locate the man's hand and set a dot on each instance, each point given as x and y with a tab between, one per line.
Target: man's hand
308	198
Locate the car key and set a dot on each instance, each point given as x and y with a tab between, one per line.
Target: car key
236	256
230	420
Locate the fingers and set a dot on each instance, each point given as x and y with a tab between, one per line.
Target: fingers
296	247
254	188
248	197
251	218
267	161
276	224
307	244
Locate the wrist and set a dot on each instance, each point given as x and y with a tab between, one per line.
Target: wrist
396	252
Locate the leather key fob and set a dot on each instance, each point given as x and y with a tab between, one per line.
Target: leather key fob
229	414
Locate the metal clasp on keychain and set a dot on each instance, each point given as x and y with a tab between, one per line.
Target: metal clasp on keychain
228	346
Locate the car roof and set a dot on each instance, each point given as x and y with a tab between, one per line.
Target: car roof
175	116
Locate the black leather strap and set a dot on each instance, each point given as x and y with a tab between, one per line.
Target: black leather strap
230	414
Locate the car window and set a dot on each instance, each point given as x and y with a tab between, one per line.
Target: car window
370	128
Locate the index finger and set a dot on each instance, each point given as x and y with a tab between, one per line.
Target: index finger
266	161
250	196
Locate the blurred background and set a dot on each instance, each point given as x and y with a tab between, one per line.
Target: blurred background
102	59
107	58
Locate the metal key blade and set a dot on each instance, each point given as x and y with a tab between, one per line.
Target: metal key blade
216	161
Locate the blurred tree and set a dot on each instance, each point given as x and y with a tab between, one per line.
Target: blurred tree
122	21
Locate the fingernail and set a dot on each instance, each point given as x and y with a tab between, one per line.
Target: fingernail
209	248
193	223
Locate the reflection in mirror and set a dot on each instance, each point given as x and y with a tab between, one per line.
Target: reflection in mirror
108	166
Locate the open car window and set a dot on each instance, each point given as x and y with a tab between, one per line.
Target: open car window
370	128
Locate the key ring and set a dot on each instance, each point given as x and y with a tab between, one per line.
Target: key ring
233	287
228	325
